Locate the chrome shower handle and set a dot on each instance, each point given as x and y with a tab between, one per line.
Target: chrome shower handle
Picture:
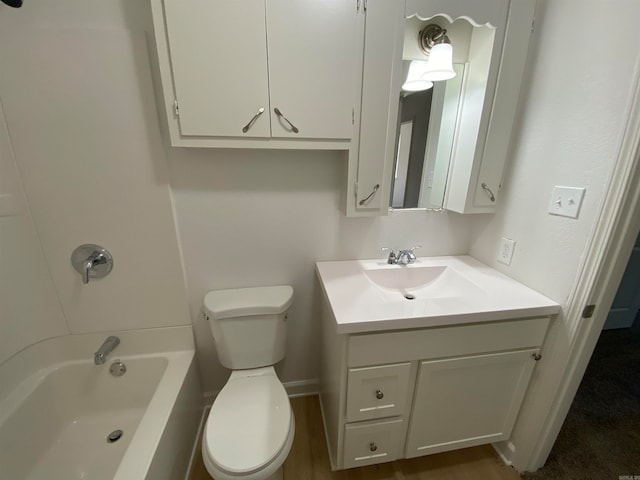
91	261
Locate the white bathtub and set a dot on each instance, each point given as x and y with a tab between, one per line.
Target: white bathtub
57	408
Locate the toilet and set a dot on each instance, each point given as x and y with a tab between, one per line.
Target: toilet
250	427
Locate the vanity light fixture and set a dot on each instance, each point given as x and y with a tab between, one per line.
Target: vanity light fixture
415	81
433	41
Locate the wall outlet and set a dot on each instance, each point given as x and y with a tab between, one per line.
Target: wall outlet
505	254
566	201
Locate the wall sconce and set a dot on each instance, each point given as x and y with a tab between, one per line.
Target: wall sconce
433	41
415	78
435	44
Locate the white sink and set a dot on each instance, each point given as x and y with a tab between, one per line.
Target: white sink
370	295
419	281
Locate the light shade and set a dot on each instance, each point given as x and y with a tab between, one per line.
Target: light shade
415	78
440	64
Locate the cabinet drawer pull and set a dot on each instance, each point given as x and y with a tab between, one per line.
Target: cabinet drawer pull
279	113
252	121
379	394
373	447
488	191
368	197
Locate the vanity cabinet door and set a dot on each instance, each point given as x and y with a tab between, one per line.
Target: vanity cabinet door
219	64
466	401
313	67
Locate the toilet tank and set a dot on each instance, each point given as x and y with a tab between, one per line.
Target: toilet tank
249	324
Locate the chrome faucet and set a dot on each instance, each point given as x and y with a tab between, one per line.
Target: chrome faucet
105	349
401	257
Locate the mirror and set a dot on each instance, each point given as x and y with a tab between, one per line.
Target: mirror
438	125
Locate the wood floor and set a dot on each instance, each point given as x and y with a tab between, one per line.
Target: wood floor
309	460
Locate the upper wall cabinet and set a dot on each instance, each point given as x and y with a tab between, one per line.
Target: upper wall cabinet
260	73
446	146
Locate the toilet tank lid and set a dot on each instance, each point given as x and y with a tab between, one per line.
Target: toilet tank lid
241	302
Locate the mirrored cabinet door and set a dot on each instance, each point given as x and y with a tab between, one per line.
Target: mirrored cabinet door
435	136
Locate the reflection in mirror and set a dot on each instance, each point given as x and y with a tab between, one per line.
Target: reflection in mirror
424	140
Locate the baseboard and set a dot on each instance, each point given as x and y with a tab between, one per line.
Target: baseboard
297	388
302	388
505	451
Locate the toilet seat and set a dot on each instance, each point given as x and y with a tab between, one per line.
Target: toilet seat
250	427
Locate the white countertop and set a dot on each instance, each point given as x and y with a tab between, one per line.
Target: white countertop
479	294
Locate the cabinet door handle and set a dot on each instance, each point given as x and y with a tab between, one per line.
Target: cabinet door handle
252	121
379	394
488	191
373	447
368	197
279	113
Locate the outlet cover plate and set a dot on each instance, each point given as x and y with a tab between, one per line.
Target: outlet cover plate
505	253
566	201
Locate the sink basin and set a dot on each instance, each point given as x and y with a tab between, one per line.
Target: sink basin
371	295
417	281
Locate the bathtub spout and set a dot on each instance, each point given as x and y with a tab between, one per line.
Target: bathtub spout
105	349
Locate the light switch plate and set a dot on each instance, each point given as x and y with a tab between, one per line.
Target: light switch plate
505	254
566	201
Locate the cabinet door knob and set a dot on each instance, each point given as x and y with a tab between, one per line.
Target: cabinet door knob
379	394
488	191
368	197
536	356
373	447
251	122
277	111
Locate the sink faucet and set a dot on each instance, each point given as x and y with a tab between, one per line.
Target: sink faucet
105	349
401	257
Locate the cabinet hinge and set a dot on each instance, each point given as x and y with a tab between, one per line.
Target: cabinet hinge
355	190
357	5
364	6
176	108
353	116
588	311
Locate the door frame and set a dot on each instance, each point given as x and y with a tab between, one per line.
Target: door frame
606	256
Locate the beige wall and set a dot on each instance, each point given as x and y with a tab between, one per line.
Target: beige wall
574	113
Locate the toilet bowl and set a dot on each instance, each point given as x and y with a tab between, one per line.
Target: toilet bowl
250	428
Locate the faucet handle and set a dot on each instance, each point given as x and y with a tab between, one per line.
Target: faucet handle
391	259
415	247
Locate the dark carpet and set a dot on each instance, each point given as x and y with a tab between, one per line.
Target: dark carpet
600	439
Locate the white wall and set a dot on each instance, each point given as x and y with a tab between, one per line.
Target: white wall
78	99
249	218
29	308
574	114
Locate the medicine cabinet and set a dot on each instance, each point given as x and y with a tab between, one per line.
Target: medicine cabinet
470	119
259	73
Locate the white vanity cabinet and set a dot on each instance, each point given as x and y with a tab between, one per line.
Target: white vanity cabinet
228	67
406	393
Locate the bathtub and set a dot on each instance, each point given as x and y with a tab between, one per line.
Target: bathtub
60	413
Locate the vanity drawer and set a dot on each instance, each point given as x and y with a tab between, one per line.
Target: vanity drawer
376	392
366	443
